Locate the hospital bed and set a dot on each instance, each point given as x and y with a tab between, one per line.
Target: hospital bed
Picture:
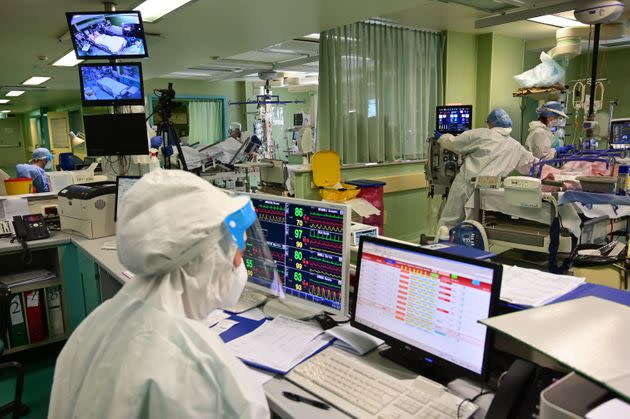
112	44
114	88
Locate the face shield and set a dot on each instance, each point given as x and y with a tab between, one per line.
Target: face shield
250	239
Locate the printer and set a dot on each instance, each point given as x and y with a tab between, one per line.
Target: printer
88	209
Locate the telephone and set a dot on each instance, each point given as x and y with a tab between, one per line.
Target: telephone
30	227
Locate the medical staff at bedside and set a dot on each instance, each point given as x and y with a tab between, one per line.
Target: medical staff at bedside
486	152
540	140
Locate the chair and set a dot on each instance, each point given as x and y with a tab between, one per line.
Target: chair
16	407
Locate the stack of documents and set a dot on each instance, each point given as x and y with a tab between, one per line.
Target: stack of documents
533	288
280	344
27	277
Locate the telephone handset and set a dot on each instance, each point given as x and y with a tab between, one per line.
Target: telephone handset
30	227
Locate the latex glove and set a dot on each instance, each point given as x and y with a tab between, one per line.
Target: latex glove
156	141
167	151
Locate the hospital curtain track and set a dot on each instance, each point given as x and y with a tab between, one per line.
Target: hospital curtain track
206	121
378	88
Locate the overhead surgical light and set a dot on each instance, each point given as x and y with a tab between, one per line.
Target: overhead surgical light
35	81
68	60
558	21
152	10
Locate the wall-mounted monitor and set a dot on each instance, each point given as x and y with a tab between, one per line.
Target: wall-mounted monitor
107	84
107	35
123	134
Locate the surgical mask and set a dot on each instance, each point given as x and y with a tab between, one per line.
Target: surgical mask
557	122
235	287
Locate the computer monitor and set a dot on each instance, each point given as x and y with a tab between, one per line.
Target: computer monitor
309	241
453	119
123	134
620	131
123	184
426	305
115	85
107	35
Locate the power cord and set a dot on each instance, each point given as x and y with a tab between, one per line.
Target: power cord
482	392
27	256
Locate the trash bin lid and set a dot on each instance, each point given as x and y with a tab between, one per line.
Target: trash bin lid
326	169
366	183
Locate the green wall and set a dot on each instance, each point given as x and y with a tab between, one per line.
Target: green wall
480	69
407	213
461	68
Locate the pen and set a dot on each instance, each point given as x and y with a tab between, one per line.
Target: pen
298	398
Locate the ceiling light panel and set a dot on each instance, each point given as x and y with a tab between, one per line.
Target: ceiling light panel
5	111
68	60
3	101
35	81
15	93
152	10
311	36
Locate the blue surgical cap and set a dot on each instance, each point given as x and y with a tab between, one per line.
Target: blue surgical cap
499	118
42	153
551	109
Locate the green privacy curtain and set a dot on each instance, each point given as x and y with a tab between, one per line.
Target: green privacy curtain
378	89
205	122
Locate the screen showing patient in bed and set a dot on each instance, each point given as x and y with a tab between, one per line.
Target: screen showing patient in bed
106	84
99	35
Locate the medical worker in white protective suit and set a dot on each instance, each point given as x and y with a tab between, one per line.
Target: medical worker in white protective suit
540	140
486	152
146	353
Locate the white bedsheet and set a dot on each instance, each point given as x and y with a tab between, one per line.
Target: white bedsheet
112	43
494	200
111	86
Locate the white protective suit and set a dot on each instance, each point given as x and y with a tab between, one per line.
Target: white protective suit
539	141
146	353
486	152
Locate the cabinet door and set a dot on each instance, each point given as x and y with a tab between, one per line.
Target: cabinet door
90	282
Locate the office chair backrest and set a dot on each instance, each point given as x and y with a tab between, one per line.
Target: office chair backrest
5	301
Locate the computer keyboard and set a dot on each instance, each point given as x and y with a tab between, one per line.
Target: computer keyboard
361	390
247	301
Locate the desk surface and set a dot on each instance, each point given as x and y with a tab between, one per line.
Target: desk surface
56	239
107	259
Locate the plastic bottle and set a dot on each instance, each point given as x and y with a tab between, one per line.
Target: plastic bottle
154	162
443	235
622	180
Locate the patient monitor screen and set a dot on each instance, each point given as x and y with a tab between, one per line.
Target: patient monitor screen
306	242
99	35
431	303
620	132
105	84
453	119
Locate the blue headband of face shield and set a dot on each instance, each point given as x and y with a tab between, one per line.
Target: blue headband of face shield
239	221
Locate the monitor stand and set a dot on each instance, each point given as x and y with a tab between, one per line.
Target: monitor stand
288	308
418	363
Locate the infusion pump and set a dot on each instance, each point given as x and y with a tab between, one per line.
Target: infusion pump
441	169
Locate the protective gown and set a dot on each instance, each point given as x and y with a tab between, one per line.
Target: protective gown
539	141
146	352
486	152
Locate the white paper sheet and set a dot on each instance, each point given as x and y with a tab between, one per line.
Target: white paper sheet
280	344
534	288
10	207
253	314
353	340
223	325
612	409
215	317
